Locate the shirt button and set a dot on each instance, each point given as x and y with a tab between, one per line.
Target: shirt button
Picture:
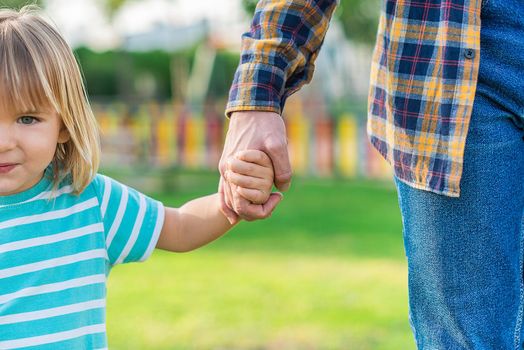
469	53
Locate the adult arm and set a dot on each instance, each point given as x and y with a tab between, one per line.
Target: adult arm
277	58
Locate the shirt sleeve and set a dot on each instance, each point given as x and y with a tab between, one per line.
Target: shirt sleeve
132	221
278	53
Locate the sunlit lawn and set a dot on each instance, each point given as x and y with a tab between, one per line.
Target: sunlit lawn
327	271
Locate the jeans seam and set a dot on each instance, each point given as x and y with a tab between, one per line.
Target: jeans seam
521	306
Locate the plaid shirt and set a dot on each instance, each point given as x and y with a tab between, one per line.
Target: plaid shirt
423	78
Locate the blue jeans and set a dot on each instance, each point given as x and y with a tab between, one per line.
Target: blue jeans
465	255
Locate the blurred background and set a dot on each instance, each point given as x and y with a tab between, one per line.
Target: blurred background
327	271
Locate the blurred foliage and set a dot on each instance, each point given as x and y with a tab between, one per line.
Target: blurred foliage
358	17
112	6
99	71
17	4
249	6
106	72
116	73
225	66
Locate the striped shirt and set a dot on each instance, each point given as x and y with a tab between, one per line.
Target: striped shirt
55	256
423	78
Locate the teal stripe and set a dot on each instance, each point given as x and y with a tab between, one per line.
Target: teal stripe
13	234
51	251
56	299
43	206
52	325
144	238
94	341
22	222
57	274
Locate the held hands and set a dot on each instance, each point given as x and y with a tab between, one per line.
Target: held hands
254	130
251	172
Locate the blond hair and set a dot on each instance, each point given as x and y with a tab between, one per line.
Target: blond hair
38	68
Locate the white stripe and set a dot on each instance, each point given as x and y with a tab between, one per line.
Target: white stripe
105	198
56	214
48	195
156	233
51	194
118	218
53	287
41	265
52	338
136	229
33	242
52	312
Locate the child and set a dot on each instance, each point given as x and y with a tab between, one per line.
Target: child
62	226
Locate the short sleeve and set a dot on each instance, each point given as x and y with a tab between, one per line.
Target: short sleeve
132	221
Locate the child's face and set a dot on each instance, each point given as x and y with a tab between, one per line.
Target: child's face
28	141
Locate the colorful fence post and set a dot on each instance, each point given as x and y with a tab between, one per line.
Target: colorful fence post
347	152
166	146
194	141
324	147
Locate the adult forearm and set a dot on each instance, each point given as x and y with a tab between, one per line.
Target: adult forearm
278	53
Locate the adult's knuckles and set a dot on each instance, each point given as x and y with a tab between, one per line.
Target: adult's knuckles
275	146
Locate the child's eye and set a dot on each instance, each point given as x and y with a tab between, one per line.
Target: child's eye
27	120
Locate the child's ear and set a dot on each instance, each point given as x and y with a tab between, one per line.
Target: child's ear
64	135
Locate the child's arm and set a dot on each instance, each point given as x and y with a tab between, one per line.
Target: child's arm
200	221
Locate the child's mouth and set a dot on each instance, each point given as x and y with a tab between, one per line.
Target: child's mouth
5	168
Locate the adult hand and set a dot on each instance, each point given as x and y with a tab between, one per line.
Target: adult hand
264	131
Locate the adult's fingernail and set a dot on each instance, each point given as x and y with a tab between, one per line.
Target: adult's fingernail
285	186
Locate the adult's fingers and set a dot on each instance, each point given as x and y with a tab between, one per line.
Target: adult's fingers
271	204
240	205
250	211
279	155
228	194
231	216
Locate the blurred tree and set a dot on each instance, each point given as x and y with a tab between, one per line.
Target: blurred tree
358	17
18	4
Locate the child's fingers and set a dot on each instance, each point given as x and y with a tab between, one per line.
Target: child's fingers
255	156
250	169
249	181
254	196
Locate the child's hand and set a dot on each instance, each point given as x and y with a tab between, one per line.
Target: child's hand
252	172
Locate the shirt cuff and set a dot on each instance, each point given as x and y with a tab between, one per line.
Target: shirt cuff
256	87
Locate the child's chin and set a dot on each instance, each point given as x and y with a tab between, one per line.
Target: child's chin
7	190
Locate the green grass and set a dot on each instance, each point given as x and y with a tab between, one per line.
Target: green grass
327	271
